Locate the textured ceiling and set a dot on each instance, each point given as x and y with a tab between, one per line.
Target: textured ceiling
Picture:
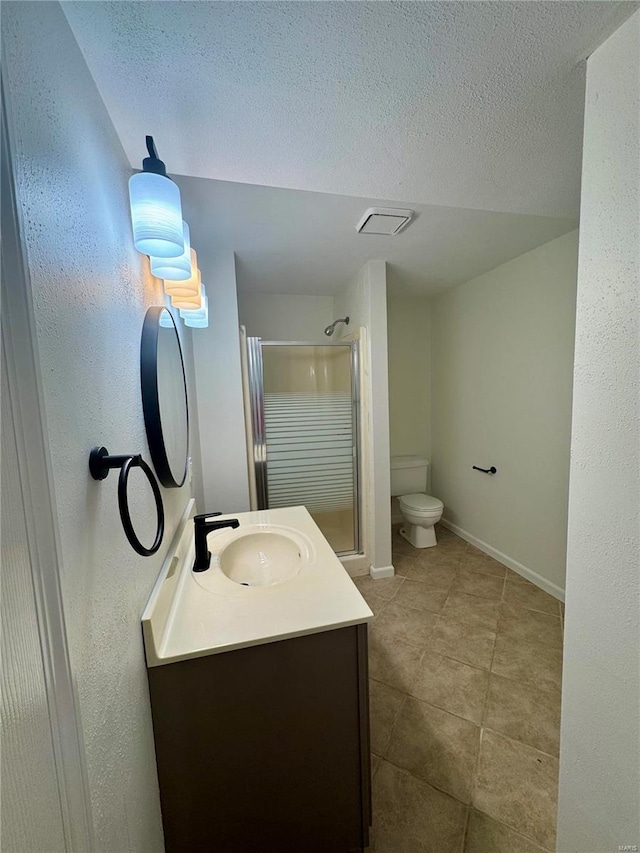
474	105
291	241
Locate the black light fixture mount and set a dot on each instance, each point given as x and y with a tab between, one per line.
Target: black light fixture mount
153	163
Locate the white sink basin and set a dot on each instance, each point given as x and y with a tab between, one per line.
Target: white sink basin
265	558
301	588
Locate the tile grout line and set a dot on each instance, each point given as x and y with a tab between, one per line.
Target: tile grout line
536	687
465	833
436	707
561	614
430	784
486	697
515	831
393	726
519	743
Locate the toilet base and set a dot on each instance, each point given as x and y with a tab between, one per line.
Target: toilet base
419	537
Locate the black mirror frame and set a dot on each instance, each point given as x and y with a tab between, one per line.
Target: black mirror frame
150	398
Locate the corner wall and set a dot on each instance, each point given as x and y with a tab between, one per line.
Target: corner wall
599	797
409	331
502	360
223	482
91	290
285	317
364	300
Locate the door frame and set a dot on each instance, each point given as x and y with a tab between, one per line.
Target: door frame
38	499
259	440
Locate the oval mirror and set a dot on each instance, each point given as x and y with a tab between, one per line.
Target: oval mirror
164	397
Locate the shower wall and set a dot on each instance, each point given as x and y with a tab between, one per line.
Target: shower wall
285	317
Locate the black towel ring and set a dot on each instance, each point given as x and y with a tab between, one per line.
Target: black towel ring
100	463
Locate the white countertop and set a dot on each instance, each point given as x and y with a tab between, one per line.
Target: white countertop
191	614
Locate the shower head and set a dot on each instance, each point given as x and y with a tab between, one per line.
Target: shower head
331	327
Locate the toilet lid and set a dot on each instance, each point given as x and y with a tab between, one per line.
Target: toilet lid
421	503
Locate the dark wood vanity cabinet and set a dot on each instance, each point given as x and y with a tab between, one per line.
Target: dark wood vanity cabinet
266	749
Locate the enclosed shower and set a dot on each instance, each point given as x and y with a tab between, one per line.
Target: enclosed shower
304	400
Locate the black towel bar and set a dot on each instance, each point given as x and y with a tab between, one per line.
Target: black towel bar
492	470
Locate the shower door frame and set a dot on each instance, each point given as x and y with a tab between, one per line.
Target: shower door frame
256	397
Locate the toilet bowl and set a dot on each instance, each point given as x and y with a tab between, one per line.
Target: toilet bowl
419	510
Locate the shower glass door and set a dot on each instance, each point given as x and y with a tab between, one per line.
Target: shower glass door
304	400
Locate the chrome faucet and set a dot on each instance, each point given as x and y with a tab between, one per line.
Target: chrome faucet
202	527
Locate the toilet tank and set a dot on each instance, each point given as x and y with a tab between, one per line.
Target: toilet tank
408	474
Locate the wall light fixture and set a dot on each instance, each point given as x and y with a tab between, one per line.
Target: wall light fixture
160	232
198	324
197	319
156	209
188	303
174	269
191	286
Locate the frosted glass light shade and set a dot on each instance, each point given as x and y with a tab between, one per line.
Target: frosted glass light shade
156	215
198	324
175	269
188	287
187	303
194	314
197	319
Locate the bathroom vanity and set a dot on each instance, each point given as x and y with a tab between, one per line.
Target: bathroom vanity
258	680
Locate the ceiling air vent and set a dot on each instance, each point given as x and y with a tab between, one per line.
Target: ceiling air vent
384	220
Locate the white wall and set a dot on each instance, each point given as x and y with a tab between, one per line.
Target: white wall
502	357
285	317
90	292
364	300
599	750
221	426
409	339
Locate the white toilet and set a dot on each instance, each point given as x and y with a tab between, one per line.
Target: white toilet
419	510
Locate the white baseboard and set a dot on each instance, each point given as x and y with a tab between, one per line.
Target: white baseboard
382	572
552	588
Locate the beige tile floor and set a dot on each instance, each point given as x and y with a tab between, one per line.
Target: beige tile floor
465	663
